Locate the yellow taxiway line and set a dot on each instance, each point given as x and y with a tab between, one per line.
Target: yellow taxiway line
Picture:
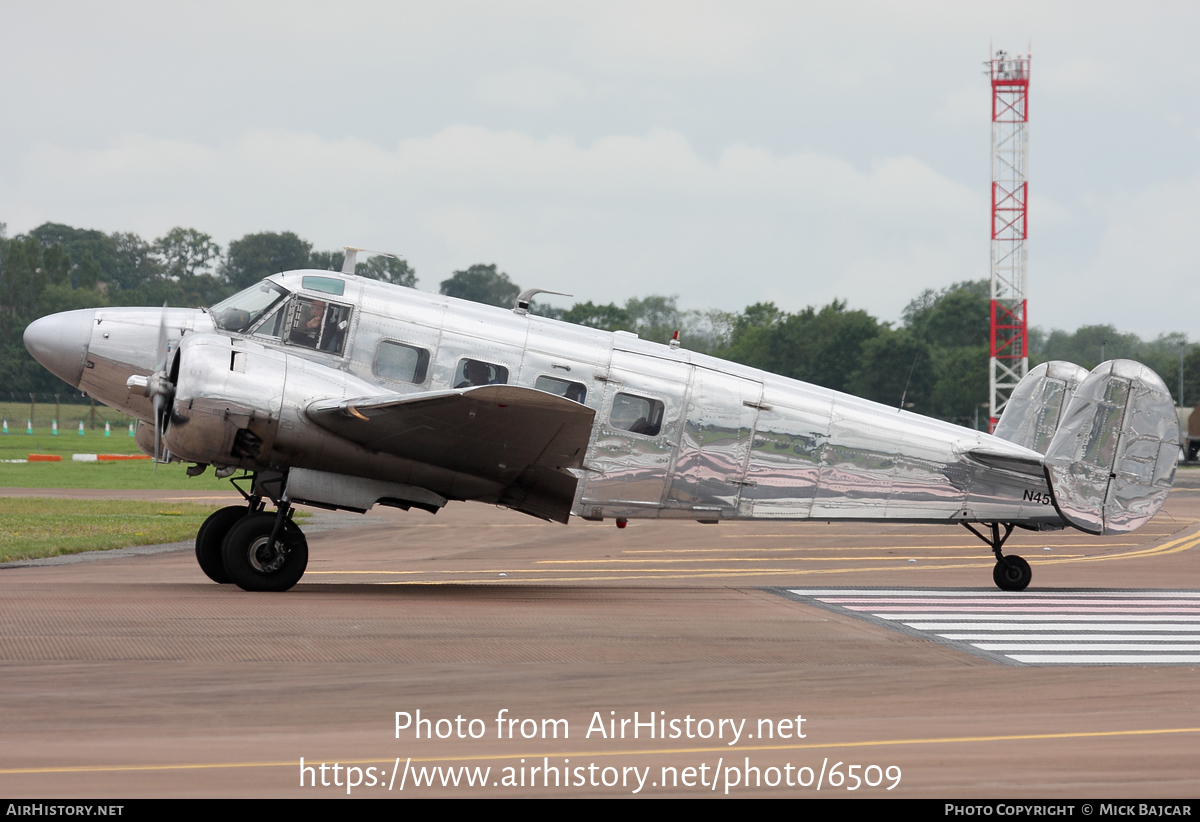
609	573
870	743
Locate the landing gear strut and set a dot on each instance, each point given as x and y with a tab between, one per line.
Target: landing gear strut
256	551
1011	573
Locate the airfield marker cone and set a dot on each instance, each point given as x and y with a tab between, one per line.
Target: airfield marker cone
28	426
107	430
131	429
6	426
81	428
54	428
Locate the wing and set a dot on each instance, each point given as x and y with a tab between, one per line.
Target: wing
522	438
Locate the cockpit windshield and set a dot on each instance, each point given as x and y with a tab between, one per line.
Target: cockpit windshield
244	308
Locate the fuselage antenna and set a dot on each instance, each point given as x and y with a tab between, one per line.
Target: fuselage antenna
521	306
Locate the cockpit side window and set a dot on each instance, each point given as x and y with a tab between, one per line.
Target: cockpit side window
272	326
318	324
245	308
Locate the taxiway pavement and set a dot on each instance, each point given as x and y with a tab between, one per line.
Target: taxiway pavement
135	676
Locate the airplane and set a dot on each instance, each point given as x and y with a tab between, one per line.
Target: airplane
341	392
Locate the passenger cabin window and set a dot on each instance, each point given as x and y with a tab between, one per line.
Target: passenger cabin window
638	415
564	388
319	325
405	363
476	372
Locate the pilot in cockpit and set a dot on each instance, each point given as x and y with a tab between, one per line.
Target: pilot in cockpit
316	312
306	330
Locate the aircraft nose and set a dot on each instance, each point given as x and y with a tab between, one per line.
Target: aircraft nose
60	342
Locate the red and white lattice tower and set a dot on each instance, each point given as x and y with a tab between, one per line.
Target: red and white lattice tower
1010	190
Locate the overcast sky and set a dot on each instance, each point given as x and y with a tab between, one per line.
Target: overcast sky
728	153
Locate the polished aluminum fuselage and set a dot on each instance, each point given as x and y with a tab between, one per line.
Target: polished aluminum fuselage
735	443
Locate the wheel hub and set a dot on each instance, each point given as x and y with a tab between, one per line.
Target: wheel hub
267	559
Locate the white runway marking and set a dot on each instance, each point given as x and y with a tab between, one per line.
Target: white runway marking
1036	628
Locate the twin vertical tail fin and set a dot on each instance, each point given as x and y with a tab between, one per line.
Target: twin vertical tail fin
1036	406
1110	439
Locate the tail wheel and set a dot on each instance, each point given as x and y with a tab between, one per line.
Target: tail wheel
210	539
1012	574
255	565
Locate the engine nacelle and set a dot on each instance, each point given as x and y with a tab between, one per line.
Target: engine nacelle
238	403
228	398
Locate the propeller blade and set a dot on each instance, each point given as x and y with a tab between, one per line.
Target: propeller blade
160	404
160	387
162	340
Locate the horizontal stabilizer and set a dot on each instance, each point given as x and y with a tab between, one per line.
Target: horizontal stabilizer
1112	461
1028	464
519	437
1034	410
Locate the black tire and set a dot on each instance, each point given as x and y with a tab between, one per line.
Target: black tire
1012	574
210	539
252	566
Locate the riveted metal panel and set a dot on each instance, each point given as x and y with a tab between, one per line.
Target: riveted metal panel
785	456
710	469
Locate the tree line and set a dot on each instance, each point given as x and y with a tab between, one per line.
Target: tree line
934	361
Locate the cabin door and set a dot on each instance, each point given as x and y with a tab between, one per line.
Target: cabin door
637	428
710	470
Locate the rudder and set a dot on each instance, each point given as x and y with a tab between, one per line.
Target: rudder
1112	461
1036	406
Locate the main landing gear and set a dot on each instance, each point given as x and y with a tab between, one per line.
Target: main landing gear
1011	573
254	549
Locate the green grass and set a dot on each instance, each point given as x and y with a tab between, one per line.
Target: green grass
31	527
117	476
121	476
69	417
18	444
